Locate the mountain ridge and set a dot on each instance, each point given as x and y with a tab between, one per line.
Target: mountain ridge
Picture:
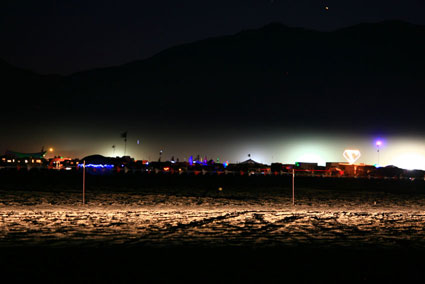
269	74
271	27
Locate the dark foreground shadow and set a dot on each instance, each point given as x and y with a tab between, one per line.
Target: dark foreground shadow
212	265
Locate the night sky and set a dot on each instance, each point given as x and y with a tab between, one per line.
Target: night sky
69	36
51	37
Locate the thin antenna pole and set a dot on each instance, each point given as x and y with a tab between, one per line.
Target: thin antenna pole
84	182
293	187
378	155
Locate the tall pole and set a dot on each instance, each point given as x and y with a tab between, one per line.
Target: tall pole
293	187
378	154
124	135
378	144
84	182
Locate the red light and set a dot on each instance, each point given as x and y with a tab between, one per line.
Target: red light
166	169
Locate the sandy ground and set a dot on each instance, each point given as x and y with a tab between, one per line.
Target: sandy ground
319	219
205	236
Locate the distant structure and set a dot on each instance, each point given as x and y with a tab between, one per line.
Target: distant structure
351	156
250	162
249	167
306	166
19	155
19	160
124	135
99	165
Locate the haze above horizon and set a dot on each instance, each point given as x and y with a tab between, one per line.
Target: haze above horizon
276	92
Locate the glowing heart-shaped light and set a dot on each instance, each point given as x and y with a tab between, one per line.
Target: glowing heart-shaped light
351	156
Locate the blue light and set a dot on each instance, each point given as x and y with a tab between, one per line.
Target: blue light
105	166
191	160
380	142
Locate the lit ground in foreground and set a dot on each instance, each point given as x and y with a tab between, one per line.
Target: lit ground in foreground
320	219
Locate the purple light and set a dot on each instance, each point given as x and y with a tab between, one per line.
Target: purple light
378	143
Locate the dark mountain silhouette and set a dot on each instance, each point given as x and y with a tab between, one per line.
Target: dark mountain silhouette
363	77
24	91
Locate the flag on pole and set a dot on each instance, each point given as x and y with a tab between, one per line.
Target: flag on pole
124	135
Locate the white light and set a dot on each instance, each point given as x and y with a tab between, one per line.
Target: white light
351	156
312	158
409	161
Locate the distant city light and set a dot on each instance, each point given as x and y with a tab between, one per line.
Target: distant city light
351	156
409	161
102	166
50	150
311	158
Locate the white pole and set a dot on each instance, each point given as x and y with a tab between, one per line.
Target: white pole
293	187
84	182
